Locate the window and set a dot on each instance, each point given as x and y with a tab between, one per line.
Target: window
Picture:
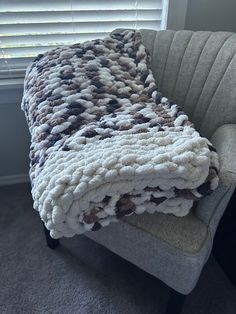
30	27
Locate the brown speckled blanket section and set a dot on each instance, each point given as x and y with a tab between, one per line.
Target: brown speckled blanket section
105	142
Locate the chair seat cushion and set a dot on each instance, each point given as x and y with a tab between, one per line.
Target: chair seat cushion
186	233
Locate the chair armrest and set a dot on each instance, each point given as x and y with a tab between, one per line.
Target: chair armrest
224	140
211	208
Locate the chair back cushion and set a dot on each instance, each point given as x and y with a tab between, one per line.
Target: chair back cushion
198	71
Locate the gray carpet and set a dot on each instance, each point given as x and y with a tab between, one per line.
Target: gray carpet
83	277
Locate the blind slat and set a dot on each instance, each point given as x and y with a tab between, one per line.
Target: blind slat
23	52
77	16
62	5
37	40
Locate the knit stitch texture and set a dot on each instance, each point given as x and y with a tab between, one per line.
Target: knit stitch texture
105	142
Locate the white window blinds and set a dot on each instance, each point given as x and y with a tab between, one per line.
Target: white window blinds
30	27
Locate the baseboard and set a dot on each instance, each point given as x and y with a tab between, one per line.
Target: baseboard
14	179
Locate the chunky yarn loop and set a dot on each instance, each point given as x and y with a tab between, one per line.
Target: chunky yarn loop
105	142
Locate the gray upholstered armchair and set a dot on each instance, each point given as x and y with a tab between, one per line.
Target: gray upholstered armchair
198	71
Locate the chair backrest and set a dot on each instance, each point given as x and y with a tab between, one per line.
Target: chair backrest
198	71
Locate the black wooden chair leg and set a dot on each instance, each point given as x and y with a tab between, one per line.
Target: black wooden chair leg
175	302
51	243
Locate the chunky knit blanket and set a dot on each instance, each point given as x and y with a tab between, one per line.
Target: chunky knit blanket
105	142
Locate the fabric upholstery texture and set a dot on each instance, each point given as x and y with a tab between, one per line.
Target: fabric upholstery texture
196	70
185	233
225	141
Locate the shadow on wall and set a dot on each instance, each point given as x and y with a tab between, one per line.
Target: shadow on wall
14	134
211	15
